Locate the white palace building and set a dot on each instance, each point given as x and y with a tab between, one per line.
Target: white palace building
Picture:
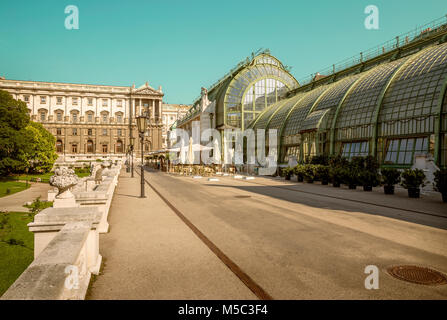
92	121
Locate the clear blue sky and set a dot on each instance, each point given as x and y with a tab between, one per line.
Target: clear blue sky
183	45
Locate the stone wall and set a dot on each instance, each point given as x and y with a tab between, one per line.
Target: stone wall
66	242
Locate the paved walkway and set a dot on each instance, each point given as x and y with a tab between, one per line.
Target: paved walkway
16	201
296	241
150	253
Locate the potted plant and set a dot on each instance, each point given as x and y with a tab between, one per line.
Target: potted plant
287	172
322	174
299	172
369	179
390	177
351	174
413	180
336	174
369	174
309	173
440	184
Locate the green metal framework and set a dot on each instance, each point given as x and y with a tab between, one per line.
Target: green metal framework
391	109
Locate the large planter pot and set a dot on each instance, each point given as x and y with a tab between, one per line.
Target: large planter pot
336	184
388	189
414	192
324	182
367	188
444	197
352	186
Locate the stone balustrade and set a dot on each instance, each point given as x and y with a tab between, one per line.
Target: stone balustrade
66	242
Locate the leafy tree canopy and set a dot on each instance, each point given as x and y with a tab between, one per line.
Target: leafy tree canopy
23	144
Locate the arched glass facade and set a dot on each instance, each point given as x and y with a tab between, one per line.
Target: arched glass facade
392	109
253	89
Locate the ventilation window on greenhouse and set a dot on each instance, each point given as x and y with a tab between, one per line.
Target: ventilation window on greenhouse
355	149
401	151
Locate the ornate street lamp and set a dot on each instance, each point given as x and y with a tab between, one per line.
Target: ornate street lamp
132	143
142	126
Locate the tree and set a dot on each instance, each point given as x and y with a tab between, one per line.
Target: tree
39	151
23	144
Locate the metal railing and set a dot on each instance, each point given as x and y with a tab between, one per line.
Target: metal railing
418	33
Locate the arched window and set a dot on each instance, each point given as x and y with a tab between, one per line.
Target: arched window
89	146
104	117
42	114
74	116
119	117
90	116
119	146
59	146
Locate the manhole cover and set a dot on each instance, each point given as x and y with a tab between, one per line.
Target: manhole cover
418	275
242	196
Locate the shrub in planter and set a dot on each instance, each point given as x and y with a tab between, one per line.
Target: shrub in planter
413	180
351	175
320	160
389	177
322	174
299	172
287	172
369	179
309	173
440	184
369	175
336	174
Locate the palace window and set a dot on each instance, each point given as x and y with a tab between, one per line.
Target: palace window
74	101
401	151
75	131
59	116
119	103
90	101
58	131
89	146
74	148
104	148
119	118
58	100
90	117
89	132
119	131
59	146
104	118
42	116
74	117
355	149
104	102
119	146
43	99
26	98
104	132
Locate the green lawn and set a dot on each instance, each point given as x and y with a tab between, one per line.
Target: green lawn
14	259
12	186
45	177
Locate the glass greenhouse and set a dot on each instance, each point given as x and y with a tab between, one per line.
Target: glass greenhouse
391	106
245	92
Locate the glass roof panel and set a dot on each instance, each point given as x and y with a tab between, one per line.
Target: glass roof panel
414	94
301	110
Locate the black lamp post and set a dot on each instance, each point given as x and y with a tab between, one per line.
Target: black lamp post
132	143
142	126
